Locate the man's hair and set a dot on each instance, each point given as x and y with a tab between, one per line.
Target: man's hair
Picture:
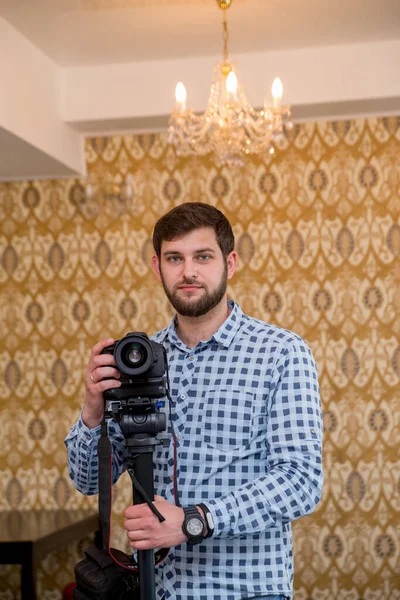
190	216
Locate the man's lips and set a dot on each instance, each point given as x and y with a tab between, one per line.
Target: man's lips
189	288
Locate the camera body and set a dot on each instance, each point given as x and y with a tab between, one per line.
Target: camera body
142	365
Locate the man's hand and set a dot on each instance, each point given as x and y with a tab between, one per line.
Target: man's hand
99	369
145	531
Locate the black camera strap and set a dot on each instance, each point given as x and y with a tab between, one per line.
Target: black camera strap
105	503
105	494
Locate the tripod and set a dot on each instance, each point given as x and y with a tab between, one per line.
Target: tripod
140	423
140	469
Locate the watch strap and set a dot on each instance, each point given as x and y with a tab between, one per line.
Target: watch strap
209	520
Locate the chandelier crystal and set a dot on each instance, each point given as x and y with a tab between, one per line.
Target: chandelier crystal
230	127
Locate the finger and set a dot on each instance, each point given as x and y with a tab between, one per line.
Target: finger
107	384
137	535
134	511
97	348
142	545
102	360
148	525
96	390
139	511
103	373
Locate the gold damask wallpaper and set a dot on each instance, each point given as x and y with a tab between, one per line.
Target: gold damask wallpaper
318	234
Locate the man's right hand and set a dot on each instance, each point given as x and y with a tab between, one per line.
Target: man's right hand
101	375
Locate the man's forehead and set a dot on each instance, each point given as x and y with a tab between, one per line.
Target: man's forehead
196	239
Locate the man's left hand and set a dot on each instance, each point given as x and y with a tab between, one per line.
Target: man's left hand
145	531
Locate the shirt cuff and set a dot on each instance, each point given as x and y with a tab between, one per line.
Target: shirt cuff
220	515
86	432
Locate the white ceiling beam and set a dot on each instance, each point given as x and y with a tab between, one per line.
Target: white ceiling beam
31	124
331	82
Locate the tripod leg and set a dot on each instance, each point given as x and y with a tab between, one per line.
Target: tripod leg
146	575
143	468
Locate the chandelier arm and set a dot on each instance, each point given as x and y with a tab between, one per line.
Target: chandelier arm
193	132
225	35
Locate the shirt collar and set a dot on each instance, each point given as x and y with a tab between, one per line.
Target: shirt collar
223	336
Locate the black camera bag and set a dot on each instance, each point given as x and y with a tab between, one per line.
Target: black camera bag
98	577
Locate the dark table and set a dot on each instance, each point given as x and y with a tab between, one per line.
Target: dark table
27	536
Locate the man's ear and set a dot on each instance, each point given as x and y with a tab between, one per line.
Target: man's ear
231	261
155	263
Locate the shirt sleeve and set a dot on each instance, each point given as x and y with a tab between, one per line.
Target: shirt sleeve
293	484
83	463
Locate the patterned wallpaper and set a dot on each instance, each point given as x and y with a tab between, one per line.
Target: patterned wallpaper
318	235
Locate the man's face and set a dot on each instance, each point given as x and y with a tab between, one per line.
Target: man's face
194	272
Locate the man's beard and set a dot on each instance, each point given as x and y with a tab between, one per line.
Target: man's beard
201	306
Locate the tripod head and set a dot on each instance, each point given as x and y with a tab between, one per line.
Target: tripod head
140	420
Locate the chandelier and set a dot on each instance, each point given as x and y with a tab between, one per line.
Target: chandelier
230	127
106	194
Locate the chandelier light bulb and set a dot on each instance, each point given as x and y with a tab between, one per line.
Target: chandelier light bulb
180	96
128	186
277	92
231	87
89	191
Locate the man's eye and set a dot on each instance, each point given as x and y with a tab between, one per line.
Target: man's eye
173	259
204	257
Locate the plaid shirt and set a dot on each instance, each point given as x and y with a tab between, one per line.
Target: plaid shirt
246	411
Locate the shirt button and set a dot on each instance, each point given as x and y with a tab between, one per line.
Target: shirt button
182	396
191	357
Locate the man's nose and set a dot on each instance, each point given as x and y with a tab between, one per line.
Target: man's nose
189	270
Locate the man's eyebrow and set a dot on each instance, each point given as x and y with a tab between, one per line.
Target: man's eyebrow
197	251
201	250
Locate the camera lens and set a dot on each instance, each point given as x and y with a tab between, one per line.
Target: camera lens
134	354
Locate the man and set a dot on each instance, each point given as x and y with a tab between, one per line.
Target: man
246	412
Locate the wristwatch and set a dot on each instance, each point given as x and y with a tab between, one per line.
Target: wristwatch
194	526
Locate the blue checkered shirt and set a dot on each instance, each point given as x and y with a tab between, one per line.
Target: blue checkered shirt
246	411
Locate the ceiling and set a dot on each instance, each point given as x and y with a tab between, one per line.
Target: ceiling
71	68
94	32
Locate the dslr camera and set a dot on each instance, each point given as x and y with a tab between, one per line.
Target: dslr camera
142	365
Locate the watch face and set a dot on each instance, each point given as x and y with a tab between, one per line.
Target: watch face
194	526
